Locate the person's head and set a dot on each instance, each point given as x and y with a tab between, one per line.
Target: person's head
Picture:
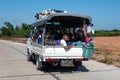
47	36
66	37
39	36
81	28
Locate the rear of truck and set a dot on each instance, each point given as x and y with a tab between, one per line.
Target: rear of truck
68	57
57	24
58	55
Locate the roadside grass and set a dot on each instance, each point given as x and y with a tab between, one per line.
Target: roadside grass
106	60
107	57
14	39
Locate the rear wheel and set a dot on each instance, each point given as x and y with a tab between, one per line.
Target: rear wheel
40	65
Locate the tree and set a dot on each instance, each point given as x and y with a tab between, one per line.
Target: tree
8	25
24	26
8	29
25	29
19	31
4	31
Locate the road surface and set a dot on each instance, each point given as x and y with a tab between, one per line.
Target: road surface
14	66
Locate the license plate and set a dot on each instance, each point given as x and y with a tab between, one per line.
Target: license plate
67	62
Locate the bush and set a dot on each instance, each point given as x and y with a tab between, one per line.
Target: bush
10	31
0	35
113	32
106	60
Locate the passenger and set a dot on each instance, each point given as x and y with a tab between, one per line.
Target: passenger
48	41
89	40
64	42
78	43
85	30
90	31
40	39
80	34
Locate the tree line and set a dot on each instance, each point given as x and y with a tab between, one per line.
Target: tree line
8	30
113	32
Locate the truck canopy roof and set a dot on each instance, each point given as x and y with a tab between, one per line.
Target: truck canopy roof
65	18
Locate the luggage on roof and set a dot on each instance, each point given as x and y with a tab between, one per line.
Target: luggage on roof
47	12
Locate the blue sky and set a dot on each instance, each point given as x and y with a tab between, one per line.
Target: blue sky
105	13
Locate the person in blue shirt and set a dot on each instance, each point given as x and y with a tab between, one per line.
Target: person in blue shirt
40	39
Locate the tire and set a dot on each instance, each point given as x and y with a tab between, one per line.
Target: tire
40	65
28	56
77	64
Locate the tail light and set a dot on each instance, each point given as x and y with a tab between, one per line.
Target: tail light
51	60
82	59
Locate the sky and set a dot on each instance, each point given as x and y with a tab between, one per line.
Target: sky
105	13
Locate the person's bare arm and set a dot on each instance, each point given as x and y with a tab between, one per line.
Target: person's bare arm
67	47
85	30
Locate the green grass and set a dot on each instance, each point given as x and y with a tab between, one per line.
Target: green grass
106	60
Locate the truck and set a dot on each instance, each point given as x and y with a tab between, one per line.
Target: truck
56	23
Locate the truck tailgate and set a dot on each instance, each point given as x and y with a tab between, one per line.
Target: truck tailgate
61	52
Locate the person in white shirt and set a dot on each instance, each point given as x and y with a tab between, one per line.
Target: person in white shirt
90	30
64	40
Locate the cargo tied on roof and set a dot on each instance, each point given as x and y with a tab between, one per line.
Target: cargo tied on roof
48	12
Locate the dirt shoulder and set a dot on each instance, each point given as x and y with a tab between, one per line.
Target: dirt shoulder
108	49
21	40
108	43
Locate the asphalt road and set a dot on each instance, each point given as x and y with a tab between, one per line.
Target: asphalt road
14	66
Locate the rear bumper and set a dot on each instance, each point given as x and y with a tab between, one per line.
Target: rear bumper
56	59
63	57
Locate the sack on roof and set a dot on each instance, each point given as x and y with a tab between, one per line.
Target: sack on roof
48	12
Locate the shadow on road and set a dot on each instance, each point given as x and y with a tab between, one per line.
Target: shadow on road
65	69
61	69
